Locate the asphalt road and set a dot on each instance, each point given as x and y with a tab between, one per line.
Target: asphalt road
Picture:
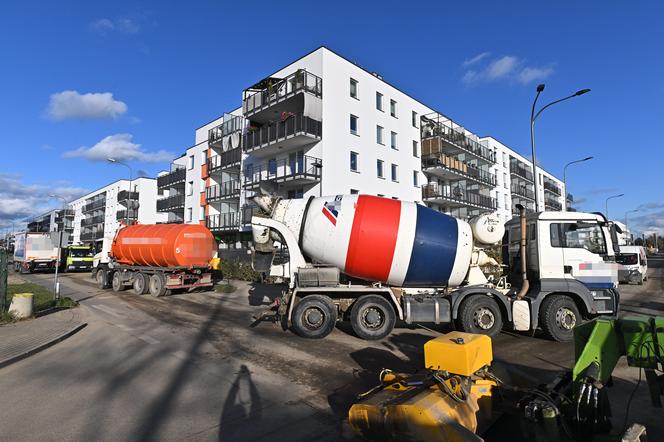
190	366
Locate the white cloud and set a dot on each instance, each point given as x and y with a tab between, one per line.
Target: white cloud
649	224
71	104
507	67
104	26
121	147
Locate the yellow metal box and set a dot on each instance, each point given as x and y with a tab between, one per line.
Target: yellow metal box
459	353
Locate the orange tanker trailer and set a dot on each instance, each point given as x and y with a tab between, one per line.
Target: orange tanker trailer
156	258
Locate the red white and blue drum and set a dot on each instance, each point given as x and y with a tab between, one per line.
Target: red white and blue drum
379	239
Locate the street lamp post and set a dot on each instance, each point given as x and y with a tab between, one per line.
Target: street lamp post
56	284
533	118
606	203
113	160
565	175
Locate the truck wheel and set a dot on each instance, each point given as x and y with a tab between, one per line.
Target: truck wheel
101	276
558	316
117	283
314	317
157	285
141	282
372	317
480	314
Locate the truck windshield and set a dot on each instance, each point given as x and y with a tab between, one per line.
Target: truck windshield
80	253
627	259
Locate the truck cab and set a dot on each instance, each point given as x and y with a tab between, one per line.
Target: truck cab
633	264
78	258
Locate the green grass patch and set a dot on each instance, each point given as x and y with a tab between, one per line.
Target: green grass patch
225	288
42	298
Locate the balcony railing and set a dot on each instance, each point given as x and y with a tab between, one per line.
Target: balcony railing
292	125
94	205
523	191
460	168
552	187
177	176
521	170
299	81
122	215
92	236
228	189
433	130
458	196
552	203
306	168
231	158
248	211
125	195
216	134
223	221
170	203
99	219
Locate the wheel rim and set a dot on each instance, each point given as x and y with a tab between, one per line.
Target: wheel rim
139	285
314	318
565	318
484	318
153	286
116	282
100	278
373	318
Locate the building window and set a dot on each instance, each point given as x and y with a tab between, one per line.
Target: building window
499	201
190	188
416	179
393	108
414	118
296	194
190	214
354	191
379	135
379	101
353	161
204	156
416	149
393	140
379	169
507	201
191	161
505	180
353	124
504	159
353	88
395	173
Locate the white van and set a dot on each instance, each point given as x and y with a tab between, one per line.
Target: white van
634	264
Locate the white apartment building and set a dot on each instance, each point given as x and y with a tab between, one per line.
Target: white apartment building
323	125
98	214
53	221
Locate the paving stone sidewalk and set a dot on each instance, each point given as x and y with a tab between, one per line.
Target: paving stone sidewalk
24	338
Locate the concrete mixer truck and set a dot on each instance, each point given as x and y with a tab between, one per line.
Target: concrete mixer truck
372	260
156	258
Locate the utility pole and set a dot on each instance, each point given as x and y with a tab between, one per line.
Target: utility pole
56	283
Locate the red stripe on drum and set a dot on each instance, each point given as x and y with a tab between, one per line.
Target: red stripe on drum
373	237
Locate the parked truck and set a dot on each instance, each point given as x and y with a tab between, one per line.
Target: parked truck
35	251
77	257
372	260
156	258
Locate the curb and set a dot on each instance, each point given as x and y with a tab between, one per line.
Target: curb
41	347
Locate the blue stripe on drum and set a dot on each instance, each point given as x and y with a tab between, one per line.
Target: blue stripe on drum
434	249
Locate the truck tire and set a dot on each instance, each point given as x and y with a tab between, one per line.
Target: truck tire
101	276
558	316
157	285
117	283
480	314
314	317
141	283
372	317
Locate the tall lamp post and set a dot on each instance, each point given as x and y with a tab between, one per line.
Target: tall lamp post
533	118
565	175
606	203
627	213
113	160
56	284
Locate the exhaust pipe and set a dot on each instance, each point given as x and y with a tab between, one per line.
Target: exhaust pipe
524	268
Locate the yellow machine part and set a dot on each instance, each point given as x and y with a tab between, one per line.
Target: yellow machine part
215	263
459	353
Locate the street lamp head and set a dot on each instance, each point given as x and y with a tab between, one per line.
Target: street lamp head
540	87
581	92
111	160
587	158
52	196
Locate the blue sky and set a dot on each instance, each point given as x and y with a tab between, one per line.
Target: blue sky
141	76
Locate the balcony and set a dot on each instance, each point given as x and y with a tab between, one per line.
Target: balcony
457	197
121	215
223	221
523	191
170	203
99	219
225	160
552	187
172	179
552	203
441	135
449	168
292	132
272	91
217	135
92	236
304	170
521	170
95	205
223	191
125	196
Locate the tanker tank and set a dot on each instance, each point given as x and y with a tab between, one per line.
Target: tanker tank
379	239
164	245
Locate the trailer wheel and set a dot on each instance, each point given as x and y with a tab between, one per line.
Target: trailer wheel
372	317
314	317
558	316
141	282
480	314
117	284
157	285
